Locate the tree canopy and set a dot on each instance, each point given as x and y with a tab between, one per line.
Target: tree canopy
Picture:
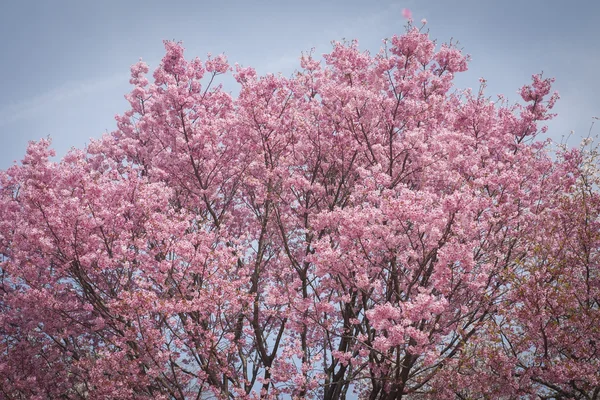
360	227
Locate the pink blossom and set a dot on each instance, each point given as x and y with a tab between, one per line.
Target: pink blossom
361	224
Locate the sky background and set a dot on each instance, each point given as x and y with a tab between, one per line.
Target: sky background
65	64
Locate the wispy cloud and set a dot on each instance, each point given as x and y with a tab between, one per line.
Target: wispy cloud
68	92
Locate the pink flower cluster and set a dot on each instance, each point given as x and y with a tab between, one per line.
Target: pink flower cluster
356	227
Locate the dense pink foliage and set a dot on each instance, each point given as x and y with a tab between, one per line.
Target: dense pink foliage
359	227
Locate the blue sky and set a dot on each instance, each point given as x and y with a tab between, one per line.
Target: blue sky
65	64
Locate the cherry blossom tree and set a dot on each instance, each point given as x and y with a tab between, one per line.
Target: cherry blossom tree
360	228
543	339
